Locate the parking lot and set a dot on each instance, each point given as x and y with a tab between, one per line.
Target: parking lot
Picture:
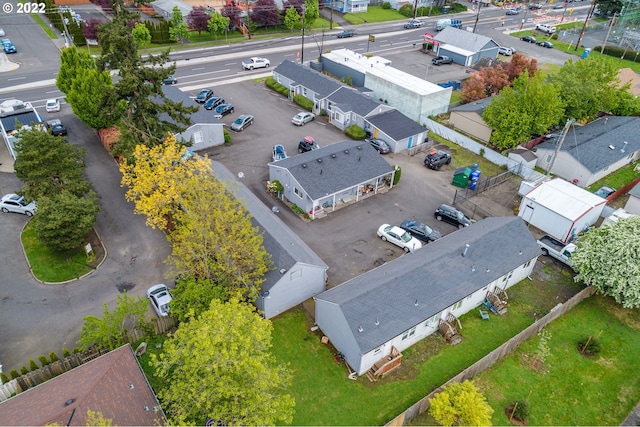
346	239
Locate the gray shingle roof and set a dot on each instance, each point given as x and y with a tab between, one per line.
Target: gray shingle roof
176	95
285	247
395	124
476	106
436	276
306	77
335	167
26	119
467	40
589	144
351	100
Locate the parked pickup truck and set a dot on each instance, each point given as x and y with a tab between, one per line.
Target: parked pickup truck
556	249
439	60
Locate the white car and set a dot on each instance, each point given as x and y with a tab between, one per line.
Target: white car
52	106
506	51
160	299
302	118
255	62
17	204
547	29
399	237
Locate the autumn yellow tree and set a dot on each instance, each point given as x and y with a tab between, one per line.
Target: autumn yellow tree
215	239
156	177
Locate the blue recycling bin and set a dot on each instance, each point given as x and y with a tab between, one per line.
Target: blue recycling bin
586	52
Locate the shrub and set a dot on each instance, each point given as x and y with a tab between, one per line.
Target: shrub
43	360
396	177
14	374
24	370
458	7
305	103
297	209
406	10
275	187
227	137
53	356
519	410
33	366
424	11
3	378
386	5
66	352
355	132
589	346
554	37
274	85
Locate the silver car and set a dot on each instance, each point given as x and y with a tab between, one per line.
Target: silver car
160	299
17	204
302	118
242	122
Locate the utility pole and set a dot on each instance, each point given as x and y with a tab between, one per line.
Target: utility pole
302	50
415	9
584	26
248	21
67	36
477	16
564	134
611	24
331	17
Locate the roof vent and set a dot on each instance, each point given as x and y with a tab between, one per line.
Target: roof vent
131	386
624	146
346	151
488	270
333	156
304	165
473	268
359	147
360	328
69	402
377	322
416	303
611	147
466	248
283	270
319	160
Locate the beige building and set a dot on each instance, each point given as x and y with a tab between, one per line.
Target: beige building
468	119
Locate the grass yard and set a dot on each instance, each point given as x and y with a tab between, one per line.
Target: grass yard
374	14
617	179
51	266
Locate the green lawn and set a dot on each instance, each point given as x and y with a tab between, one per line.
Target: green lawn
374	14
617	179
51	266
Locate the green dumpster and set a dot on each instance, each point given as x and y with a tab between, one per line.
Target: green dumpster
461	177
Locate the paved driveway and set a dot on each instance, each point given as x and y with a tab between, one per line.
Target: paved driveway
39	318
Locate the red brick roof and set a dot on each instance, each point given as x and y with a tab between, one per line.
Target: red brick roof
112	384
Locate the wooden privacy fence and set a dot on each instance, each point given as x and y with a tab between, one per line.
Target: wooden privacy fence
15	386
490	359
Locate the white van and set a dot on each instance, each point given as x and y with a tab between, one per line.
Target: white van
547	29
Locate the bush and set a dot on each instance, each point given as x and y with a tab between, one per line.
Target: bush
554	37
66	352
3	378
297	209
386	5
274	85
33	365
355	132
53	356
519	410
305	103
396	177
458	7
24	370
406	10
43	360
275	187
227	137
14	374
589	346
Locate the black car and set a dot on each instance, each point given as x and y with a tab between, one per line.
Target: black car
56	128
452	216
436	159
171	80
528	39
346	33
420	231
380	145
307	144
213	102
546	44
204	95
222	110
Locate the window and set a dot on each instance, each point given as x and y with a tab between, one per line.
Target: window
197	137
304	91
298	192
432	319
377	350
457	305
527	264
295	273
339	117
409	333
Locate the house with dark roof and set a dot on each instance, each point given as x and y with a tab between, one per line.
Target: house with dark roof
15	114
112	384
347	107
321	180
633	204
400	132
205	130
464	47
372	317
468	118
593	151
297	273
302	80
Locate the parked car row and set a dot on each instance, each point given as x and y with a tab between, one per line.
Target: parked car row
217	104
